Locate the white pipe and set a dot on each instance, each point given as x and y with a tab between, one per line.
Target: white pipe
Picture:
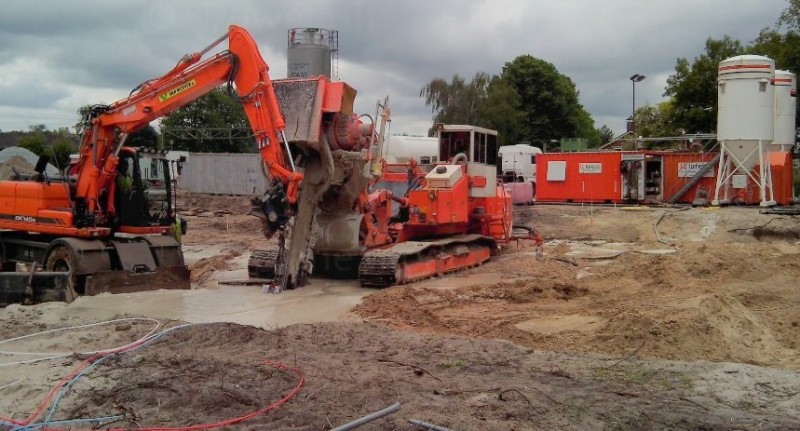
55	355
369	418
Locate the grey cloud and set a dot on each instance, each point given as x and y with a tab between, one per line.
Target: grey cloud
116	44
32	96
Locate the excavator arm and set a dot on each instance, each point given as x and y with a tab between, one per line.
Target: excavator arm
241	68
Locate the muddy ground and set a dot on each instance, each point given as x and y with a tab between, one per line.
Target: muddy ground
614	329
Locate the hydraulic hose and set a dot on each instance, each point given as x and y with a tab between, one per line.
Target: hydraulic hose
57	393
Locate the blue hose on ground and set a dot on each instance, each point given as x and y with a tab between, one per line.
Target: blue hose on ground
54	407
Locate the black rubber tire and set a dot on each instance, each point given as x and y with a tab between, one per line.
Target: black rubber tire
60	259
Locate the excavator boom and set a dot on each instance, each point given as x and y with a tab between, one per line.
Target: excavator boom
245	73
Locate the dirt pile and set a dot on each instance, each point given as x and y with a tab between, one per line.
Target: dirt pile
709	294
212	372
218	220
715	289
23	161
12	164
204	267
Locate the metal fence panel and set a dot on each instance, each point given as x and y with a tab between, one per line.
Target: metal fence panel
223	173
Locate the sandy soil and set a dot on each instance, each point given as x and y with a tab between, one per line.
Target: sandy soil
707	294
208	373
612	330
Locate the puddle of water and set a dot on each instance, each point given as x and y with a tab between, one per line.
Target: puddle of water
456	281
595	253
320	301
709	226
658	251
557	324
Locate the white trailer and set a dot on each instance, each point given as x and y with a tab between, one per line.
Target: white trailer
518	162
399	148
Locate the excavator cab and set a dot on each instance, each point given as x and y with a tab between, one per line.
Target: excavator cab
144	189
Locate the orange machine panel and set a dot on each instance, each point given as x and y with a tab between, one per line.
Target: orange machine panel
494	214
30	198
441	206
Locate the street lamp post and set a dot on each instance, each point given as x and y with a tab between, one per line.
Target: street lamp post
634	79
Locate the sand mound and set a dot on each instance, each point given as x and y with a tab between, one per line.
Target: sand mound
22	160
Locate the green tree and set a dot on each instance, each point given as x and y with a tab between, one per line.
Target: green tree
790	17
145	137
656	121
34	142
501	111
784	48
59	154
549	102
457	101
606	134
693	87
213	123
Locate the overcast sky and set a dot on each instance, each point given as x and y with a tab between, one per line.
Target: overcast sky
56	56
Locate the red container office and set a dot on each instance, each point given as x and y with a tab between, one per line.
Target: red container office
645	176
679	168
578	177
617	177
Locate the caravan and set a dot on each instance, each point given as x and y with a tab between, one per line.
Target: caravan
518	170
518	164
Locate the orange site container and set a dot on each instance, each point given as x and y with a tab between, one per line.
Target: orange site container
578	177
782	181
643	176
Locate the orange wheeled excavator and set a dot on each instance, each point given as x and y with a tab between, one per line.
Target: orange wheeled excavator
94	233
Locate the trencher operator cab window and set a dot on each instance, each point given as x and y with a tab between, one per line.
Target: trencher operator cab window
477	143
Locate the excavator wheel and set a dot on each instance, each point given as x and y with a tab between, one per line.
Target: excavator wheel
61	259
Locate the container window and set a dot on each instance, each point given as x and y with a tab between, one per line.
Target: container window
762	87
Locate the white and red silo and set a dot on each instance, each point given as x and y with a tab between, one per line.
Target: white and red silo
745	127
785	110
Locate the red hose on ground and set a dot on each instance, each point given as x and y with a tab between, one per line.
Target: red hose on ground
85	363
276	365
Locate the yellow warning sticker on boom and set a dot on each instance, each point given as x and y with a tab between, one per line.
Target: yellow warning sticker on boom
176	91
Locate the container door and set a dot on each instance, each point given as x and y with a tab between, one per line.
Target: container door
632	172
654	179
